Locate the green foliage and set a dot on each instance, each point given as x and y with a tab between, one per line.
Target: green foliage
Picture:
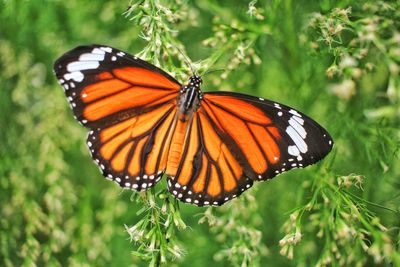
234	226
155	232
337	61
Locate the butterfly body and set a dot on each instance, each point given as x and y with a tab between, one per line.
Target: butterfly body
188	102
212	146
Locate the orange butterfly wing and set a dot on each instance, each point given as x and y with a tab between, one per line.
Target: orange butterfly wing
235	139
130	107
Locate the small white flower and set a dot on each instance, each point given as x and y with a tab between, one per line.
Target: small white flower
344	90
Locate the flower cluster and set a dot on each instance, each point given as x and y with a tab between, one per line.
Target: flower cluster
235	38
346	228
155	231
163	47
233	225
360	39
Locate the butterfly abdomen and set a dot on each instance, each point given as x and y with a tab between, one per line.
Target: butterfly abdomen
177	143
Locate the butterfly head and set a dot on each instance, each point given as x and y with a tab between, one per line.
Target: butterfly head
195	81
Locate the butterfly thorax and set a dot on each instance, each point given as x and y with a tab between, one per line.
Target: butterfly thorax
190	96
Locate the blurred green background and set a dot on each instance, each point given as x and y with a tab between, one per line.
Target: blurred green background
57	210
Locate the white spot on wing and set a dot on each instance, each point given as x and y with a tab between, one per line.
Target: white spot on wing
298	119
77	76
297	126
91	57
82	65
98	51
294	112
301	145
107	49
293	150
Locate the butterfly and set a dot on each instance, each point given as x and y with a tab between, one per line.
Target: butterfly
211	145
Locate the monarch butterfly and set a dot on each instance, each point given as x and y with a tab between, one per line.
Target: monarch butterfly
212	146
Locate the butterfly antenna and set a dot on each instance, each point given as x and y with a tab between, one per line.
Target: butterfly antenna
187	61
213	70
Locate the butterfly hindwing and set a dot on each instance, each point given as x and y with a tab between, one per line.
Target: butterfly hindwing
134	152
207	172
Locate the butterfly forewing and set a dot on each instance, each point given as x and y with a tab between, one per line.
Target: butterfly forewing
105	85
272	137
